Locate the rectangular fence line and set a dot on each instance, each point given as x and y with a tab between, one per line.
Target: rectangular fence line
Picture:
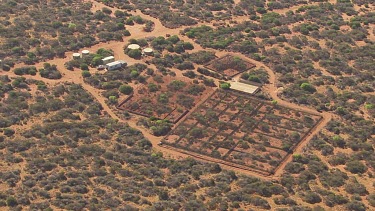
290	153
196	152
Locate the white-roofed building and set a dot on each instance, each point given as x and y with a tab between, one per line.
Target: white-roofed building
148	51
115	65
134	47
108	59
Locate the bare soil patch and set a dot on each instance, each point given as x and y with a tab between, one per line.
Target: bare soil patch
229	65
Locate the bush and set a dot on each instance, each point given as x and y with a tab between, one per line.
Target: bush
86	74
8	131
50	71
5	67
371	199
311	197
135	54
112	99
84	67
356	188
356	206
356	167
308	87
11	201
294	168
25	71
126	89
225	85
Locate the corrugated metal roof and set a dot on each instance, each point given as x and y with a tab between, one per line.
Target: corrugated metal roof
108	58
116	63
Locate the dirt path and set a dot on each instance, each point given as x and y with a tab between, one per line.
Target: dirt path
273	91
160	30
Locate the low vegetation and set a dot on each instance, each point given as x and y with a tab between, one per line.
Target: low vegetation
59	148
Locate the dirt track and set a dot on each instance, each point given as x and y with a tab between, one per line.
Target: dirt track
160	30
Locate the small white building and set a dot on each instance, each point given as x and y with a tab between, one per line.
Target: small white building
85	53
76	55
115	65
244	87
134	47
108	59
148	51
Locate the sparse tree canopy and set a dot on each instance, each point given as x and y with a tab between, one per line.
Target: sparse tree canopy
68	145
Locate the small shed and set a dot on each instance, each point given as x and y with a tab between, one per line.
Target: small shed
148	51
108	59
115	65
244	87
76	55
85	53
134	47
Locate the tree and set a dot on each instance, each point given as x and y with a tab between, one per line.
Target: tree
11	201
86	74
112	99
173	39
311	197
84	66
356	167
152	87
8	131
254	78
188	46
369	106
160	127
356	205
308	87
135	53
126	89
50	71
96	61
338	141
225	85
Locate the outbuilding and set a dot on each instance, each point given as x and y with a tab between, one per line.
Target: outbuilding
115	65
134	47
76	55
108	59
85	53
148	51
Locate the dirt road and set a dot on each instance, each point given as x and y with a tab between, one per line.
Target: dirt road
160	30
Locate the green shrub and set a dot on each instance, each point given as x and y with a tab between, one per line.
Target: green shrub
86	74
126	89
311	197
356	167
84	67
225	85
308	87
11	201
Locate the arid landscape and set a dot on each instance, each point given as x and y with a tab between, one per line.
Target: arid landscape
165	131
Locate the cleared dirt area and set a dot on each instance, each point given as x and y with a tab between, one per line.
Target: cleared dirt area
229	65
